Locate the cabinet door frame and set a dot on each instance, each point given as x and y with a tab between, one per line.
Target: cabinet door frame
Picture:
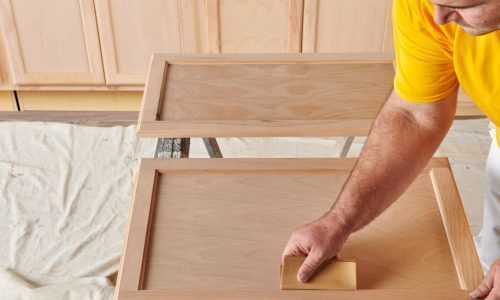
310	28
211	23
294	32
134	262
23	77
108	45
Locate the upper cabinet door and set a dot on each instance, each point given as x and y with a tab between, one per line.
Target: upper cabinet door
52	41
264	26
347	26
132	30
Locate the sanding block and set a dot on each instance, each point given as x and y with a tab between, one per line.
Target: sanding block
331	275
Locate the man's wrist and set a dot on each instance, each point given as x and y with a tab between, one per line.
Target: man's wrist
339	222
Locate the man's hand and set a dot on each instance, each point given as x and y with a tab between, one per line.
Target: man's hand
490	287
319	241
402	140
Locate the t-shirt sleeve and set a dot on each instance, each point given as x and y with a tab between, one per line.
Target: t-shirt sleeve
424	53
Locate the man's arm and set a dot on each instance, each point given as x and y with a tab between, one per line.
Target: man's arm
403	138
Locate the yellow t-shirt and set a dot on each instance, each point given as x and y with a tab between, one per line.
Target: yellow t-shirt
432	59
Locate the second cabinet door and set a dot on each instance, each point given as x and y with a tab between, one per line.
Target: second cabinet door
131	30
347	26
52	41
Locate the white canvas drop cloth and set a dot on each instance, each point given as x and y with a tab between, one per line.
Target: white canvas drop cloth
64	198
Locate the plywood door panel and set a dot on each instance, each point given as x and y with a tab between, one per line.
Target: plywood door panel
52	42
202	227
131	31
347	26
264	26
264	95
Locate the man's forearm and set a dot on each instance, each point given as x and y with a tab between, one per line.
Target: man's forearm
402	140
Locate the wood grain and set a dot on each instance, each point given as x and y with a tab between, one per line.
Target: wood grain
387	294
87	118
153	90
193	26
295	14
254	26
79	100
41	51
131	273
329	26
131	31
7	102
310	22
462	247
213	26
224	235
266	95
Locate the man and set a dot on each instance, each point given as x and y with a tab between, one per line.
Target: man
439	44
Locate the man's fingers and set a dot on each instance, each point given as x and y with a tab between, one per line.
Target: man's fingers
310	265
484	287
495	291
291	249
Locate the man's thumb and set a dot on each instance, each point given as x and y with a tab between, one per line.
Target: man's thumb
310	265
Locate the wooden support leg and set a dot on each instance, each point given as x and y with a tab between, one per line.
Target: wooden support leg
212	147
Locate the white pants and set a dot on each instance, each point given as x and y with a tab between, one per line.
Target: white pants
489	237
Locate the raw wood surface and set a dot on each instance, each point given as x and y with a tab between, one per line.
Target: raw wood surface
265	95
5	72
129	34
153	90
332	275
73	88
254	26
295	16
213	26
88	118
7	102
193	26
79	100
309	29
131	273
52	42
388	294
457	229
328	26
219	226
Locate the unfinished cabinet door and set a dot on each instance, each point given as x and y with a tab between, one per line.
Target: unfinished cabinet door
215	229
52	41
259	95
347	26
132	30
